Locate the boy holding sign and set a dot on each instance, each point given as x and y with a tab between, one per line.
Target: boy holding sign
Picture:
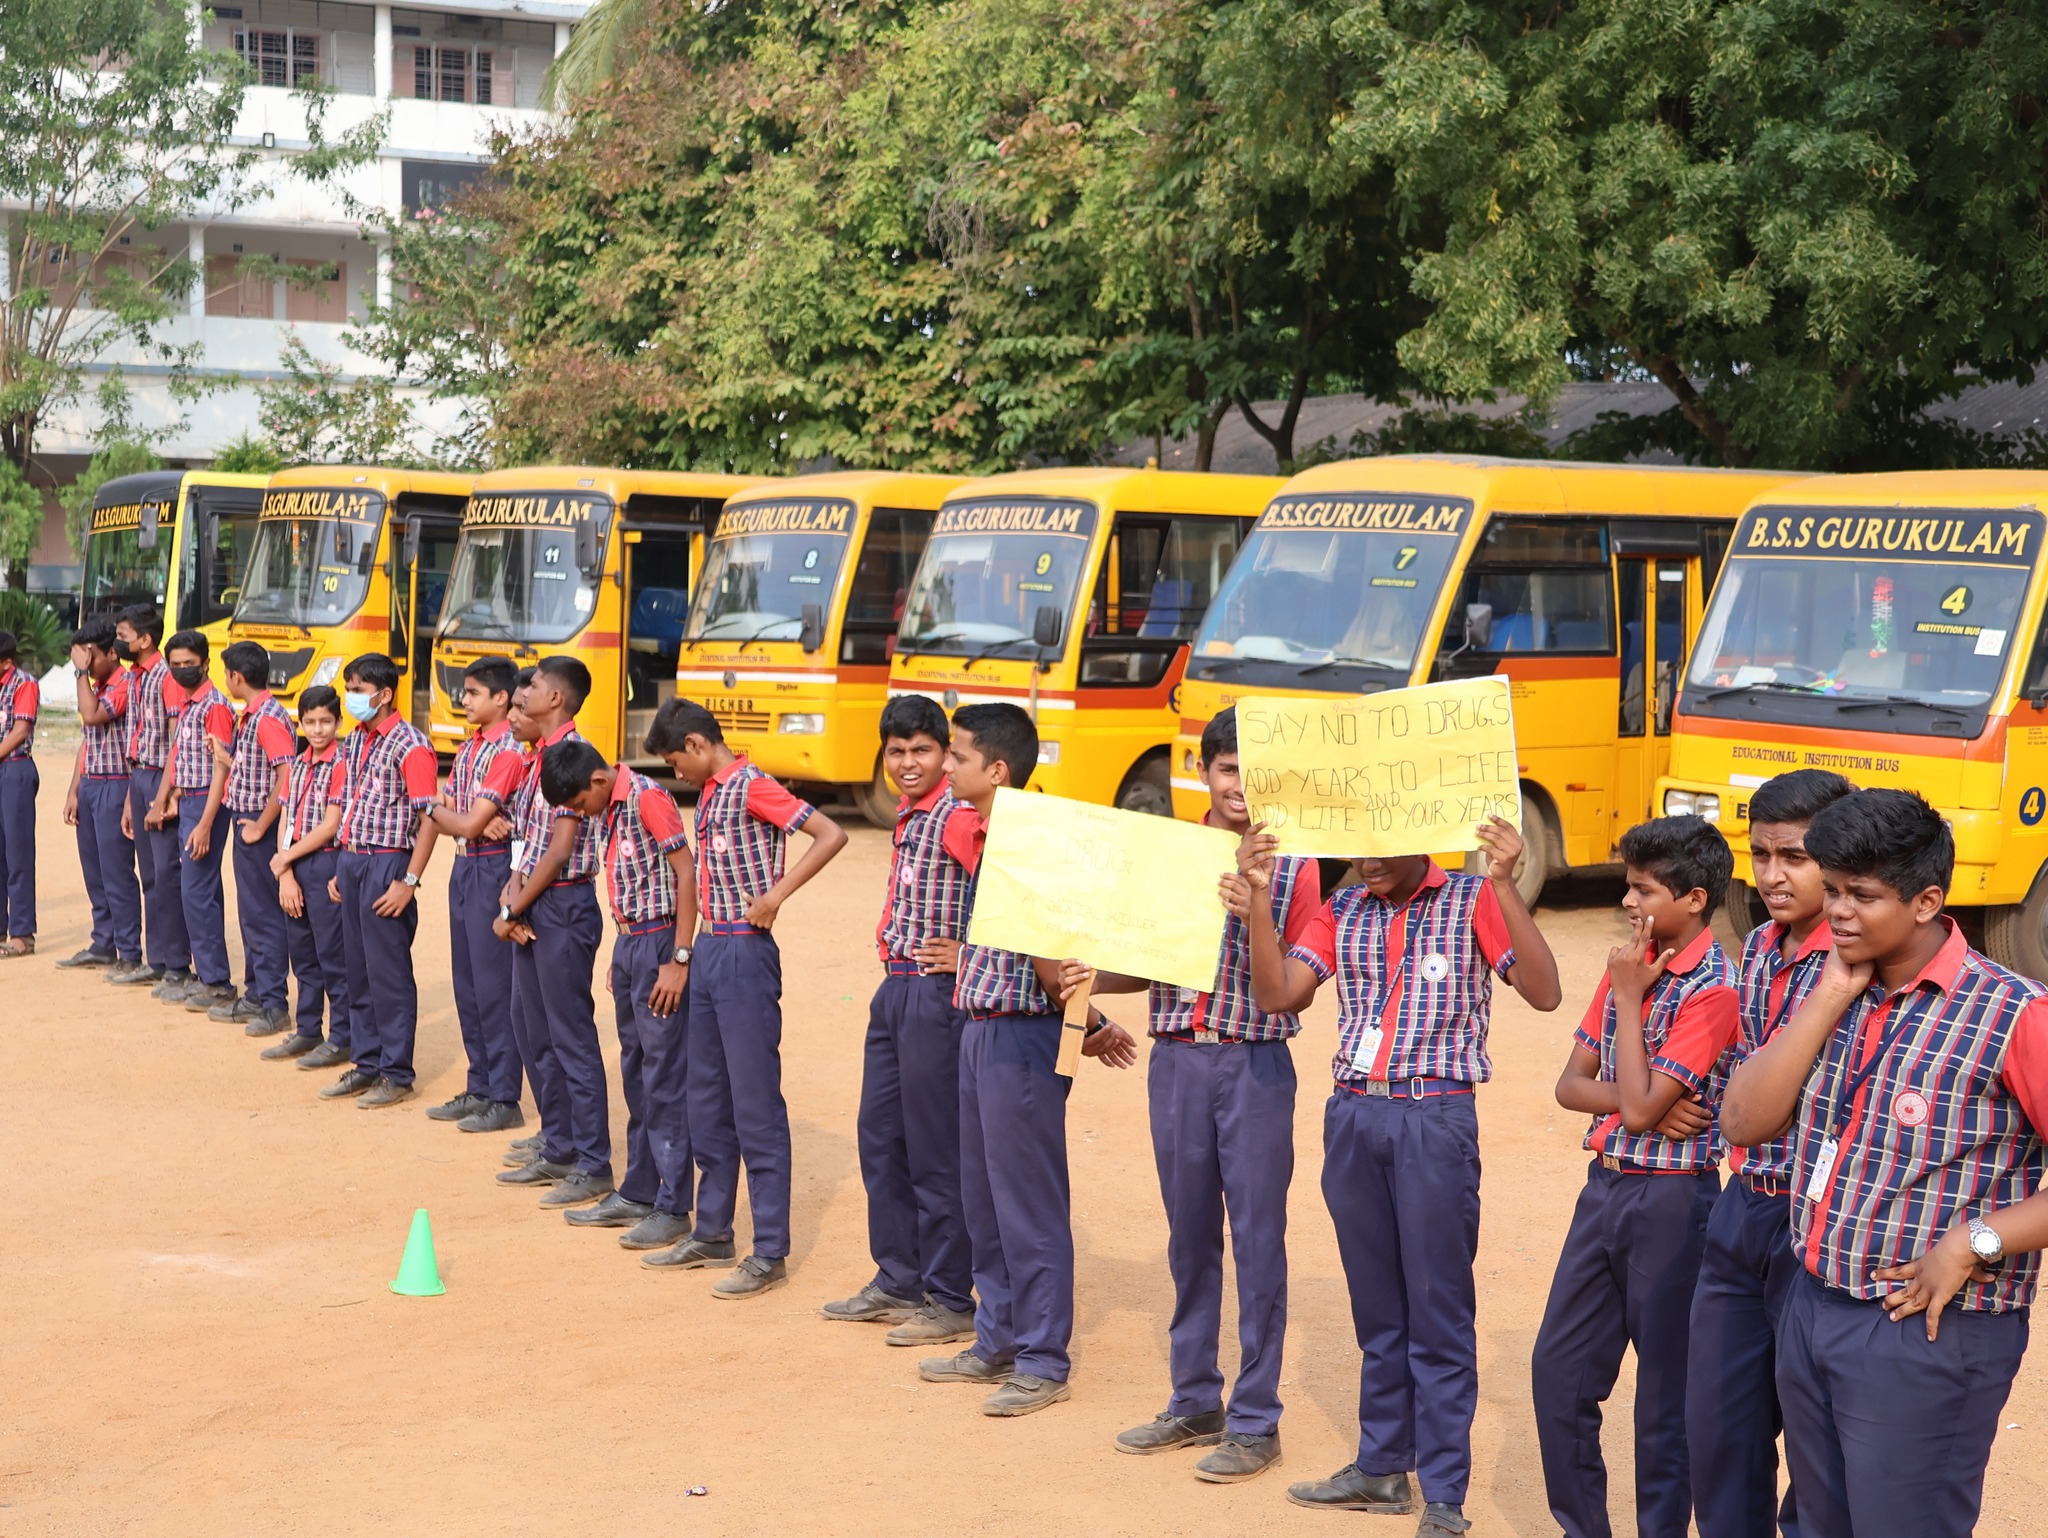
1414	951
1013	1120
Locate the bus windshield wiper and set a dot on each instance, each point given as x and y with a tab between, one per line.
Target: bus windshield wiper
761	634
1776	686
991	649
1339	660
1884	701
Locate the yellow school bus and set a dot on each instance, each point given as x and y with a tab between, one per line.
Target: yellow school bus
789	638
349	559
594	563
1888	627
178	539
1581	583
1075	593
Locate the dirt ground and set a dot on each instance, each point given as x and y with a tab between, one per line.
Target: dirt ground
199	1338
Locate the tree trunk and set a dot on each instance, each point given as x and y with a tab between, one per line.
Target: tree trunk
1695	410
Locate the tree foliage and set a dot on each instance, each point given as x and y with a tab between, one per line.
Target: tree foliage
40	639
115	456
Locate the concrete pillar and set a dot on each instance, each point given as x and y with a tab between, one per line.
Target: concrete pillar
384	272
561	37
382	53
195	253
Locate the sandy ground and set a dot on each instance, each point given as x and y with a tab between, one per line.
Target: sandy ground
199	1338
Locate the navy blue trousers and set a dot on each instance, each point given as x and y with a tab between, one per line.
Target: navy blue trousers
384	1001
1731	1390
1401	1180
156	861
1888	1432
537	1055
909	1132
1013	1187
319	951
19	781
654	1062
265	951
737	1114
201	892
1625	1279
481	965
567	928
106	858
1223	1139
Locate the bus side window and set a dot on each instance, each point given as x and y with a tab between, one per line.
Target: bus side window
875	597
2035	686
1547	582
1155	584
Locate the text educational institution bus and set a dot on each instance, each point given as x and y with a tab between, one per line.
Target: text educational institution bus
789	638
1075	593
178	539
1888	627
595	563
349	559
1581	583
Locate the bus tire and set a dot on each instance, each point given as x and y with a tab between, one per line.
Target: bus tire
877	798
2016	934
1741	911
1541	845
1148	788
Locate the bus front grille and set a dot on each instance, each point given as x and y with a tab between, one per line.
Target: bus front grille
287	666
741	720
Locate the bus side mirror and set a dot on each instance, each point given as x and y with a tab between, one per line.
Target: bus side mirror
1047	625
412	541
1478	626
812	635
586	543
146	531
366	557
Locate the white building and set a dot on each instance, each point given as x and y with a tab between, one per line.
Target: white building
449	76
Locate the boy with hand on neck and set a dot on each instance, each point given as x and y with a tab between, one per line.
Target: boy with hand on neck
304	870
528	1013
1913	1083
19	781
736	1111
142	708
1013	1119
259	770
1731	1409
189	798
99	789
909	1125
1659	1030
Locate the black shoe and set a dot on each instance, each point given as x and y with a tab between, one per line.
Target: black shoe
326	1055
692	1254
752	1277
1440	1519
871	1305
454	1110
576	1188
1166	1431
88	958
354	1082
267	1022
523	1151
385	1092
1026	1394
291	1046
205	998
963	1367
615	1211
657	1231
131	974
536	1172
236	1011
1238	1458
493	1116
1390	1495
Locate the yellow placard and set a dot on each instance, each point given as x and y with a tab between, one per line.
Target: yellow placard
1119	890
1407	771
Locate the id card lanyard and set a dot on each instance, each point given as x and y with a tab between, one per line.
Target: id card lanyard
1853	1081
1366	1054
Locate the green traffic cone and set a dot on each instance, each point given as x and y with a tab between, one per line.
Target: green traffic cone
418	1275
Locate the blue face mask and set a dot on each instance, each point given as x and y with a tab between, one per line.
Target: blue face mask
361	707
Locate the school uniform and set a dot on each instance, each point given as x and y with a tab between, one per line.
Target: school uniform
386	778
737	1114
204	718
265	740
142	707
1926	1108
641	829
552	1002
489	767
1013	1163
1626	1274
1731	1393
19	781
314	941
1401	1157
106	855
909	1123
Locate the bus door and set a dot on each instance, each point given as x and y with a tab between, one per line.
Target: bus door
896	537
655	564
422	551
1654	574
224	523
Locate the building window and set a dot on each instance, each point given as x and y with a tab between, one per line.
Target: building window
282	56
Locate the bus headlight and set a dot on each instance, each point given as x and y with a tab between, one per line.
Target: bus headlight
326	673
1048	752
1704	804
801	726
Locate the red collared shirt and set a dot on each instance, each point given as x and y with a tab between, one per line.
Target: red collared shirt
264	739
991	981
106	746
20	698
930	853
205	717
490	766
1771	989
534	817
148	713
642	828
388	776
306	790
744	818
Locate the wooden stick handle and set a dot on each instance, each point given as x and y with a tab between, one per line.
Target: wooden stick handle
1074	1030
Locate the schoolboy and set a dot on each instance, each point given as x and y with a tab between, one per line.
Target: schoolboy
1913	1083
736	1111
652	884
1660	1027
1013	1119
19	781
140	708
1220	1087
386	782
482	785
529	1016
99	787
190	798
909	1122
260	763
304	867
1731	1395
549	906
1414	951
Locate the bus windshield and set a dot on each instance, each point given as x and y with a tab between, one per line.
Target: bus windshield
120	572
311	562
534	579
1842	610
767	561
990	567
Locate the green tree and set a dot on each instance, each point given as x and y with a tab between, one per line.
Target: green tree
21	518
115	457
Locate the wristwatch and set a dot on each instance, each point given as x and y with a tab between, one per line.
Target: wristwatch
504	913
682	956
411	878
1985	1243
